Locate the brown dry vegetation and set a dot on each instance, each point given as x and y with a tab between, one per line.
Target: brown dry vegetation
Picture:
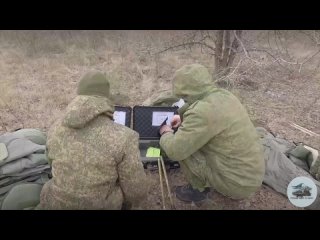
40	71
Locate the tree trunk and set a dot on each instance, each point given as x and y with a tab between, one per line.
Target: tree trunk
218	51
234	47
225	52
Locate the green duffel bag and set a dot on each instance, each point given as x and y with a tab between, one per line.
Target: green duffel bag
22	197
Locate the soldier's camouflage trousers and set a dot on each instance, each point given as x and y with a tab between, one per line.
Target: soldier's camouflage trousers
200	176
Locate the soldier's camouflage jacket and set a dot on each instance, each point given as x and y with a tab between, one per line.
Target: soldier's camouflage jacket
95	162
217	132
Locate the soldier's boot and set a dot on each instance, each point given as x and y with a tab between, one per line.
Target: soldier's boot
188	194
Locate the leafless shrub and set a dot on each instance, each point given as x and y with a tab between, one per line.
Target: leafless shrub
230	50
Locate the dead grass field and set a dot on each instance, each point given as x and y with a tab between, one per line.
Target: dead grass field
40	71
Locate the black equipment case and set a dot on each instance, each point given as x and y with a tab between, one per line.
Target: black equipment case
147	121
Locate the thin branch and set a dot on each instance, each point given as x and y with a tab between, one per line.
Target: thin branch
292	63
230	74
266	73
271	55
316	37
269	40
209	35
188	44
244	49
193	35
303	129
312	38
238	39
308	59
161	184
167	182
247	70
276	39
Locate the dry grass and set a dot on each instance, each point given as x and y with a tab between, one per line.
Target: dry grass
40	71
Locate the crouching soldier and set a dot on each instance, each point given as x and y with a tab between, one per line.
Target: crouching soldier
95	161
216	144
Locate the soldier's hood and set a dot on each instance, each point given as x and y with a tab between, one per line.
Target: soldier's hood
192	82
84	109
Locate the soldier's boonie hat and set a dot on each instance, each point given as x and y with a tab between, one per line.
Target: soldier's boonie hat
94	83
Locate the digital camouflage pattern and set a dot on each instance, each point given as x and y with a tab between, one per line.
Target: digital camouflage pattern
216	144
95	162
164	99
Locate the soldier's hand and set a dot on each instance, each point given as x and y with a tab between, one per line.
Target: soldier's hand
164	129
176	121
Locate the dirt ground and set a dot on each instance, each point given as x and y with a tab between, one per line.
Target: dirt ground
40	71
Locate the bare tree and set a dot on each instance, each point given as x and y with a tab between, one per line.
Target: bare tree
227	45
223	46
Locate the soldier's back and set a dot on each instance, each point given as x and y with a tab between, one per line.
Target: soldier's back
84	163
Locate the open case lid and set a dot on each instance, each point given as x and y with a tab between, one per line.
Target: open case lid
122	115
147	120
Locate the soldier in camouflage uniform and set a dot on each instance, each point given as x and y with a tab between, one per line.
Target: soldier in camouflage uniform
95	161
216	144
